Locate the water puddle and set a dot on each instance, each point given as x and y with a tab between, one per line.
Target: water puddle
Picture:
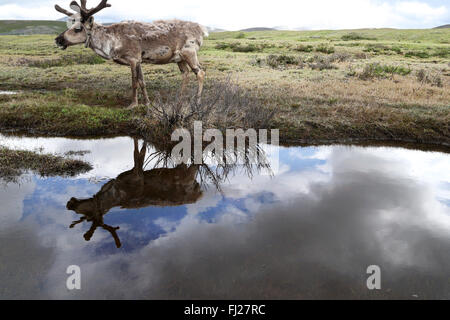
141	229
8	92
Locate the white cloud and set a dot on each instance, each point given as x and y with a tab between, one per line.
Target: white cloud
236	14
11	198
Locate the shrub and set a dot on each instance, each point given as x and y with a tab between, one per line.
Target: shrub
303	48
340	57
257	61
325	49
239	47
382	49
321	62
277	61
375	48
360	55
395	69
222	46
245	48
374	70
425	77
421	75
353	36
326	65
224	105
397	50
442	53
417	54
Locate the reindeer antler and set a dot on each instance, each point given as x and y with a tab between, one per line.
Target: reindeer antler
59	9
85	12
83	4
103	4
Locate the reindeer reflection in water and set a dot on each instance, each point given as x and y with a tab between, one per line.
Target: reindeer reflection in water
162	186
138	189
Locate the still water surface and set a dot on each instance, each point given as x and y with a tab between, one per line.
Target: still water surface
309	231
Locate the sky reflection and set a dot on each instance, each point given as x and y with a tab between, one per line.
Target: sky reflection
308	232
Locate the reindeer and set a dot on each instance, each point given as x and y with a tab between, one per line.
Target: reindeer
133	43
138	189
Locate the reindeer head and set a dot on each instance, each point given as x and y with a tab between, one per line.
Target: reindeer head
86	207
80	23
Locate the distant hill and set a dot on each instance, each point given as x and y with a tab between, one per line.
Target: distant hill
445	26
257	29
27	27
211	29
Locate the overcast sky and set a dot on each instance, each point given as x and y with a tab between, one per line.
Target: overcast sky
239	14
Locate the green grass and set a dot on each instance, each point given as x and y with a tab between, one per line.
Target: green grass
311	78
439	36
61	114
19	27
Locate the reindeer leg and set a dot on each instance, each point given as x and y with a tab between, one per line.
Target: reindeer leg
184	68
88	235
143	152
77	222
139	156
142	84
113	232
190	56
136	153
135	85
201	80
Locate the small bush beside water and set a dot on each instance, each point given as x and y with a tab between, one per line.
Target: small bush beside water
224	105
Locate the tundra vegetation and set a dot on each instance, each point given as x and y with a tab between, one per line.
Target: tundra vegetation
13	163
315	86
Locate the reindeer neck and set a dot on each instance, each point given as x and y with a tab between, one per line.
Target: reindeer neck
101	41
108	197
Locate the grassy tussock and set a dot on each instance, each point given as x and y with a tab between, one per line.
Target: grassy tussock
14	163
376	70
225	105
426	77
